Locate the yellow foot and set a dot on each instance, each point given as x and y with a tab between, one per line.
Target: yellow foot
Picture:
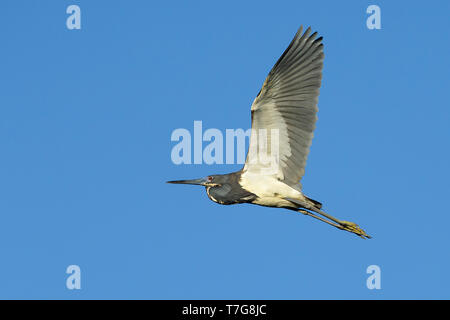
354	228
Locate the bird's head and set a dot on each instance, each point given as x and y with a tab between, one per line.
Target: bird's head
209	181
218	187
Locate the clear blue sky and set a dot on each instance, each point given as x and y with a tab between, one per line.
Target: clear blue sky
85	123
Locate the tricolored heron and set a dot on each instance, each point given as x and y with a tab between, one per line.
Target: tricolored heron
287	105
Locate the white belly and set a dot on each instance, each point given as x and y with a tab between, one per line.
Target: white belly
269	190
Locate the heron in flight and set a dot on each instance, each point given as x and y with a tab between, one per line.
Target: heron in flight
285	107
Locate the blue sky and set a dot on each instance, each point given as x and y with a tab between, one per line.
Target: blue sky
85	123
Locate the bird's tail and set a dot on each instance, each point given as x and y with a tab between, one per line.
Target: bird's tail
315	203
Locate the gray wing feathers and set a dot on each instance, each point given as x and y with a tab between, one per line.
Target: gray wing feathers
288	101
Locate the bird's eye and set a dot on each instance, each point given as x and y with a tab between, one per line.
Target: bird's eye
210	178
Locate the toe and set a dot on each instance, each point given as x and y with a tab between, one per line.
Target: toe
354	228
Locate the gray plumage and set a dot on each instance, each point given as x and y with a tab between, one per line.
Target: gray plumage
229	191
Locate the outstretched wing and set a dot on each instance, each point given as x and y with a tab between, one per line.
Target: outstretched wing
287	103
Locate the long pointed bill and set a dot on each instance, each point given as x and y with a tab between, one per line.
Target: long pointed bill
200	182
